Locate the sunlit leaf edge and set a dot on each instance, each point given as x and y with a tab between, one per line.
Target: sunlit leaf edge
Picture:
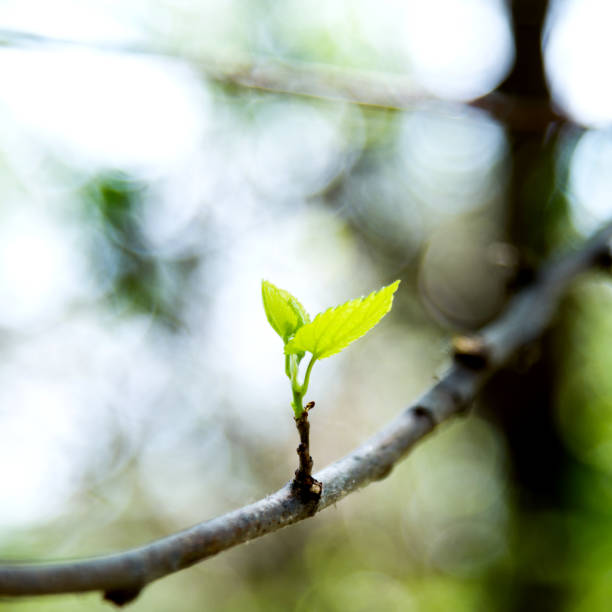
327	334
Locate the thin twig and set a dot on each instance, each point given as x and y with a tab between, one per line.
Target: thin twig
121	576
393	91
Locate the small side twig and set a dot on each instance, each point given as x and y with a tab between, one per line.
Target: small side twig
307	488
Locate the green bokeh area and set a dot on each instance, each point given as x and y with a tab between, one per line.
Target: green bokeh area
150	182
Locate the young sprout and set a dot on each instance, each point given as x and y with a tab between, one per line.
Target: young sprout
327	334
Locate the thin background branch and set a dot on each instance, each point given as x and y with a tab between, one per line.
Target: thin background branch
386	90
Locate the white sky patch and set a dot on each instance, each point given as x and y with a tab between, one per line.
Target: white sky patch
78	20
65	398
295	149
111	109
578	52
40	468
590	183
461	49
41	269
451	156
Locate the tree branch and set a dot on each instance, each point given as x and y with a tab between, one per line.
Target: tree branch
121	576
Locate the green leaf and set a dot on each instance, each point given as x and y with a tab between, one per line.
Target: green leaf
284	313
337	327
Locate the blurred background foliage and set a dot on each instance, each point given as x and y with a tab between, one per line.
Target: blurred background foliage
144	197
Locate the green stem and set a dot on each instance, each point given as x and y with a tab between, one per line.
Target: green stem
307	375
296	388
292	363
298	408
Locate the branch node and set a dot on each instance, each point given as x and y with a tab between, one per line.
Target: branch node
121	597
471	351
421	412
384	472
